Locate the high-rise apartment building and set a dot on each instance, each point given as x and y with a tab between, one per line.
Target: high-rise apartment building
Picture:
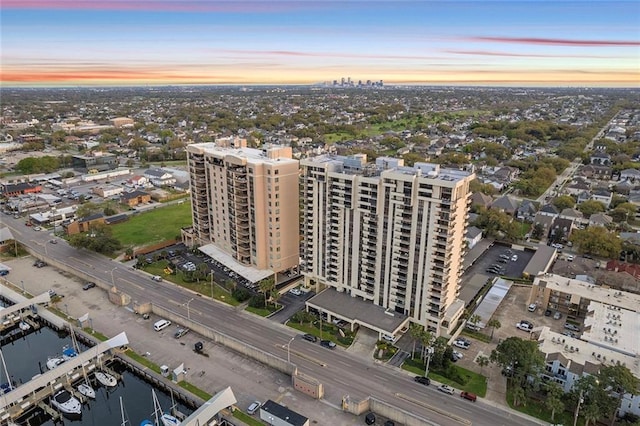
245	202
386	233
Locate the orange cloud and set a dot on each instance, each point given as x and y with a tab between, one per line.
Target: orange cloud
523	55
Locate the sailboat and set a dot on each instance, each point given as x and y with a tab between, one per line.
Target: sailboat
84	388
165	418
5	387
124	418
106	379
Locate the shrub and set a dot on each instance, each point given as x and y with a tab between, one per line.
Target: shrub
257	302
241	295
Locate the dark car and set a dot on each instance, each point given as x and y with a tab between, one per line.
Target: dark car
88	285
180	332
310	337
327	344
547	313
422	380
389	423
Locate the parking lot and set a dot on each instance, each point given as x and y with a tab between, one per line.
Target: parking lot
512	268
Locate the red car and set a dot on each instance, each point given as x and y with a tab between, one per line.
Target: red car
468	395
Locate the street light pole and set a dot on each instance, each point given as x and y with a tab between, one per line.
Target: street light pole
577	412
188	311
426	370
289	350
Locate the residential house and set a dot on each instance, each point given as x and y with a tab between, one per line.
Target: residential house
595	171
135	198
505	204
583	196
527	211
549	210
84	224
480	199
572	214
600	219
603	195
624	187
632	269
576	188
545	221
138	181
600	158
506	174
473	236
160	177
560	229
632	175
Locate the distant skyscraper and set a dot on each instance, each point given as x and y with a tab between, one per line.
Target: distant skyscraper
245	202
389	234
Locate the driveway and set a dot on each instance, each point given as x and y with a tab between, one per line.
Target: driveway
292	304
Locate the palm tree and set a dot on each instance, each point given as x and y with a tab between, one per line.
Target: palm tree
554	400
494	324
266	286
475	319
426	338
518	396
482	361
415	331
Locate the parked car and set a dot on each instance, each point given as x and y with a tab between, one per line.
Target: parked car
180	332
156	278
532	307
514	258
468	395
388	338
310	337
461	343
422	380
457	355
547	313
557	315
570	334
571	327
570	258
446	389
370	419
295	291
53	241
88	285
524	326
327	344
254	407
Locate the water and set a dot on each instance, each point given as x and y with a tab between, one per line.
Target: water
26	357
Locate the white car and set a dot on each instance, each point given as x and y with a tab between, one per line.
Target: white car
295	291
524	326
254	407
458	354
462	344
514	258
532	307
389	339
446	389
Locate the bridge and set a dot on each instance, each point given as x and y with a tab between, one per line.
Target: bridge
18	401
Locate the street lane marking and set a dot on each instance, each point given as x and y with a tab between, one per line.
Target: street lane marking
75	259
132	283
440	411
301	355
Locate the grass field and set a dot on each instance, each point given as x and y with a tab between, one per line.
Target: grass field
160	224
476	383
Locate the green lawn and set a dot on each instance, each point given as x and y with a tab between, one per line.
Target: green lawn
329	332
194	390
161	224
246	418
476	383
263	312
537	409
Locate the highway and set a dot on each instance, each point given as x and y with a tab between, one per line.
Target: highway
342	373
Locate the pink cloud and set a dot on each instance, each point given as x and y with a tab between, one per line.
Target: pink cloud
523	55
163	5
556	41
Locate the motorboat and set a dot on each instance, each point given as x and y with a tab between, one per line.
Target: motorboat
68	353
24	326
5	388
85	389
66	403
146	422
54	361
106	379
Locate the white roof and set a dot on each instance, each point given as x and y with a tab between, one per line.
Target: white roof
247	272
613	327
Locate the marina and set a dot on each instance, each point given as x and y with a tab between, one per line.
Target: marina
31	403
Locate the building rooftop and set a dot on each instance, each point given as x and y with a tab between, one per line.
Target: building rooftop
589	291
612	327
582	352
247	272
283	413
250	154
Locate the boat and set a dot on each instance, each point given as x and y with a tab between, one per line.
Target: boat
54	361
66	403
125	420
85	389
106	379
68	353
165	418
24	326
146	422
5	388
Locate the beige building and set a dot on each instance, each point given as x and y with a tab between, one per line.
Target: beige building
245	202
388	234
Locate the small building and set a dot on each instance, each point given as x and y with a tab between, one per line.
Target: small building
84	224
135	198
97	162
107	191
160	177
120	122
473	236
279	415
14	189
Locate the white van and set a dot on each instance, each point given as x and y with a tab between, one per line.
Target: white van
161	325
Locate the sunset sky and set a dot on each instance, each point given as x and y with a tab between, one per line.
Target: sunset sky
130	42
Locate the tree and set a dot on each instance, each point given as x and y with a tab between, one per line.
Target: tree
521	355
482	361
554	401
415	331
494	324
98	239
590	207
619	380
538	231
597	240
426	338
266	286
564	202
475	319
519	395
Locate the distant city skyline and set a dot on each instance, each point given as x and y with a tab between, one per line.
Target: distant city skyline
157	42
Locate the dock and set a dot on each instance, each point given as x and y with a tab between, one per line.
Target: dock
13	315
16	403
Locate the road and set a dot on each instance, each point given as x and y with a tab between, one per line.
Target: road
341	373
567	174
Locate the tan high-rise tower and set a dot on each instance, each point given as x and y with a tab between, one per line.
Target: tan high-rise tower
386	233
245	202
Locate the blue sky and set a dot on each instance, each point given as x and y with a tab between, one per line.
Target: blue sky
55	42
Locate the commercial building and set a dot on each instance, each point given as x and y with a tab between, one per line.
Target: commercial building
97	162
389	234
279	415
245	203
608	332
